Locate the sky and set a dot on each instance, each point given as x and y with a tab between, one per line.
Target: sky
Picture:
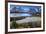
23	8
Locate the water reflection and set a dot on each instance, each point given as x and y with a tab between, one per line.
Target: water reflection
19	14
